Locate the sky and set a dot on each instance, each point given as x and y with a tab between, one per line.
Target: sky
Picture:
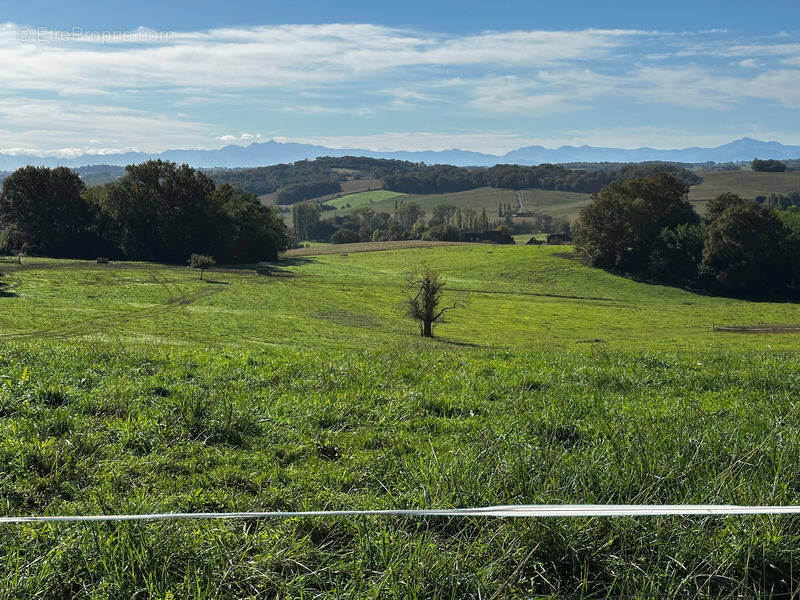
101	77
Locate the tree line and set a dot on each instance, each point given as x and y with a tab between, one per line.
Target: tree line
440	179
446	223
156	211
647	228
297	192
266	180
768	166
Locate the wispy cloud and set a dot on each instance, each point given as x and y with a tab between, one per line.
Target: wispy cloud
342	82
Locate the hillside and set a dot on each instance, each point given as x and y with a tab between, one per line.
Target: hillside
561	204
554	300
748	184
138	388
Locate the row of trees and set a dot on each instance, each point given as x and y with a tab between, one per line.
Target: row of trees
156	211
768	166
780	201
646	227
447	223
298	192
439	179
265	180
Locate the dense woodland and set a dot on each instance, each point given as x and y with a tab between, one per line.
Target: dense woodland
768	166
297	192
156	211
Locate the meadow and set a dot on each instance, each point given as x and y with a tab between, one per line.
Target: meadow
132	388
560	204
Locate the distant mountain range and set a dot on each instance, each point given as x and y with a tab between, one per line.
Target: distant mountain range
272	152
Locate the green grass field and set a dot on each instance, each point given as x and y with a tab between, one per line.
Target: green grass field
139	388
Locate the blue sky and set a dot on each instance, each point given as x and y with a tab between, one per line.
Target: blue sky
489	76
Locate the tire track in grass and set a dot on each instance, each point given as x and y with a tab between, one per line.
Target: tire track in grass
97	324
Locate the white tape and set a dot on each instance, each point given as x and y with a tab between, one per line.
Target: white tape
522	510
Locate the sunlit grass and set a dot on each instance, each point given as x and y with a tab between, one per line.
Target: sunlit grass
139	388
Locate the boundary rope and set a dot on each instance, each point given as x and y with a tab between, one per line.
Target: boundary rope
511	511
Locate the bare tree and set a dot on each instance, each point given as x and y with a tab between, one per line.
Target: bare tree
424	304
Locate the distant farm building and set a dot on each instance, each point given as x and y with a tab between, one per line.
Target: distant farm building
493	236
557	238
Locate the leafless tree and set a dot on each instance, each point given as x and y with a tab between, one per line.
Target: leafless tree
425	300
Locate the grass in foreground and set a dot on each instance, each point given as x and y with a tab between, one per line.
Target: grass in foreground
96	428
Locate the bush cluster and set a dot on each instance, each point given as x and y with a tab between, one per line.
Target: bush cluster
646	227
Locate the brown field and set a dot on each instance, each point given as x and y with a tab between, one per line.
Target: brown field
748	184
367	247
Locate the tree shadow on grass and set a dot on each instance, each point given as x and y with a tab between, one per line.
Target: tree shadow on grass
294	261
5	292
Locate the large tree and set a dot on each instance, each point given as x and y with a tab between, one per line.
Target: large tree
407	214
619	228
768	166
745	249
162	211
250	230
42	211
720	204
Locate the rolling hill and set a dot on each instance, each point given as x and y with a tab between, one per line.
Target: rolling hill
138	388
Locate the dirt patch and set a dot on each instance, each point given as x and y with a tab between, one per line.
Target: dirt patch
764	328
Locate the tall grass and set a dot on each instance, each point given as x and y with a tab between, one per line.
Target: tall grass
92	427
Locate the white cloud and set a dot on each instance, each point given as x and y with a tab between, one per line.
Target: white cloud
282	56
79	89
698	87
41	125
244	137
750	63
